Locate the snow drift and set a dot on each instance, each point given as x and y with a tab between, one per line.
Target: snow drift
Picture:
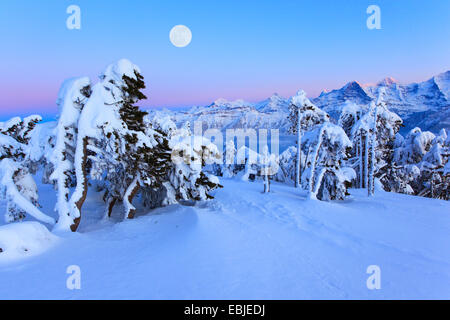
24	239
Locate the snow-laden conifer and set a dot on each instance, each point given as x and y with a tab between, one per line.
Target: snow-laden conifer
325	177
71	100
17	155
374	135
303	116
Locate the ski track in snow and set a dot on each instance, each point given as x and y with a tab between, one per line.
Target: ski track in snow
247	245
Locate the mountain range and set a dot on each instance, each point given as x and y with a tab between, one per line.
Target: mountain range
425	105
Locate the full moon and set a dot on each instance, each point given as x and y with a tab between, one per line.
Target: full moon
180	36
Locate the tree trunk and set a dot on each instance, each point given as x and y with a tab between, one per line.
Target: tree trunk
266	181
371	173
299	151
366	161
110	205
361	162
81	189
64	218
313	166
371	176
131	192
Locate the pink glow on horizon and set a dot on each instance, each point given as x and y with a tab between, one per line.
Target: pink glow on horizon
31	98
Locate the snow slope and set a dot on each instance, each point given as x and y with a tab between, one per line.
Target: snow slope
247	245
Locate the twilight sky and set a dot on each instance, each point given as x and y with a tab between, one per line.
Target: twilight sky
240	49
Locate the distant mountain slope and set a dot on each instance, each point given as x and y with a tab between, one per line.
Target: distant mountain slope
222	114
425	104
333	101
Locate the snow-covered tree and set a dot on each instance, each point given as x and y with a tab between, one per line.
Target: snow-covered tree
303	116
16	181
265	169
42	143
434	180
374	135
146	152
350	115
269	167
402	178
228	167
185	178
325	178
405	175
71	100
349	118
287	165
103	136
109	118
123	151
247	163
420	161
413	147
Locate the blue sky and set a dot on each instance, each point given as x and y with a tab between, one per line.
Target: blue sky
240	49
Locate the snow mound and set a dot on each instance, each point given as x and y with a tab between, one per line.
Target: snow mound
19	240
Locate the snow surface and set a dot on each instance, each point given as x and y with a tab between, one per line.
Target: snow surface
242	245
22	240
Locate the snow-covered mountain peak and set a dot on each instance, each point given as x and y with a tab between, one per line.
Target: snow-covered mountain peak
332	101
353	85
275	103
444	76
275	98
224	103
425	104
387	82
442	80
